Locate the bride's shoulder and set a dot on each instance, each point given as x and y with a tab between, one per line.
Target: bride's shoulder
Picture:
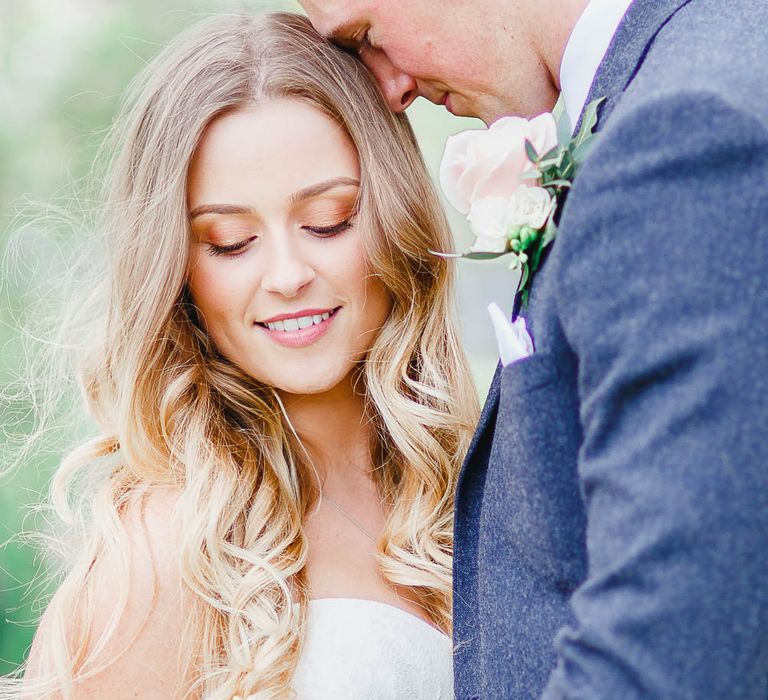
148	555
132	603
151	526
152	538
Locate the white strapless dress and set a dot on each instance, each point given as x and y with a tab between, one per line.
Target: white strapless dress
365	650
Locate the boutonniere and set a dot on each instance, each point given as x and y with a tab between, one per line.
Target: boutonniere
510	180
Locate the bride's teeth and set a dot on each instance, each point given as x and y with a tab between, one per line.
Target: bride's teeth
294	324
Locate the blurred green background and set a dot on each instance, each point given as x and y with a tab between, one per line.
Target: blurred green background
63	65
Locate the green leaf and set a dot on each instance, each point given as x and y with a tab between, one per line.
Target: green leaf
565	163
530	151
550	233
440	254
531	175
536	258
552	154
589	121
568	170
559	109
564	126
581	151
551	163
483	256
469	256
523	277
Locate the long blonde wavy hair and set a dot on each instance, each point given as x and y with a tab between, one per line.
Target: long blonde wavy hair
172	411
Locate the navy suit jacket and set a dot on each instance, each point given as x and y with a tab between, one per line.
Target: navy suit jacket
612	515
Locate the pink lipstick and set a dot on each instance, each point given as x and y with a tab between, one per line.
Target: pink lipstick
299	329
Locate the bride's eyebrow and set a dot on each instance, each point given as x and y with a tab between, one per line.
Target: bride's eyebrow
222	209
323	187
305	193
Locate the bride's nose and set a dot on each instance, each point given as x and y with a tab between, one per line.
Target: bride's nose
287	271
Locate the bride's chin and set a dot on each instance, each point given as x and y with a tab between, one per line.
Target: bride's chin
308	375
308	386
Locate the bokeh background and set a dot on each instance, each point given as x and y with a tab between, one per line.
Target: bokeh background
63	65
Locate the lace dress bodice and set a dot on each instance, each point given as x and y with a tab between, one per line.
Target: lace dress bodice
365	650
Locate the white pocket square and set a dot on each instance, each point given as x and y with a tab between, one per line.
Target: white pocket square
514	340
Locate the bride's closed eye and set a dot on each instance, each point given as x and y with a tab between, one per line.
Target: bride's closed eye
328	217
233	249
329	231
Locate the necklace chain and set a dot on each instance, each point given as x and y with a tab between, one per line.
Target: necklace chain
349	517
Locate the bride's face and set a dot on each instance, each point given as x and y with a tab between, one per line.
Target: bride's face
277	268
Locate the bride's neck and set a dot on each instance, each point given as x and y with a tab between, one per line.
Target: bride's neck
332	427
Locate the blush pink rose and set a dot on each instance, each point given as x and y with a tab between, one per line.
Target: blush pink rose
489	162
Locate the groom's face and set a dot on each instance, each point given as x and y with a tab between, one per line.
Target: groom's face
437	49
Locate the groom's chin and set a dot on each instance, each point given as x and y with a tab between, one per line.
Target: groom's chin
461	107
494	107
488	111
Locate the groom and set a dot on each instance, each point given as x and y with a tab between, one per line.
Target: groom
612	515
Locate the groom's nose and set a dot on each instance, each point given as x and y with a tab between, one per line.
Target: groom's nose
399	88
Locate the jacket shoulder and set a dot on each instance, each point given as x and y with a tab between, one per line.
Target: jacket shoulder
714	47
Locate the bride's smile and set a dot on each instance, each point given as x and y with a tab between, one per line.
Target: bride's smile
299	329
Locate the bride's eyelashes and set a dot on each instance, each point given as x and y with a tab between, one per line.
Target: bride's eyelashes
329	218
330	231
236	249
232	250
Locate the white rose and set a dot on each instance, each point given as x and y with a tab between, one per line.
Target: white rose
488	245
529	206
489	220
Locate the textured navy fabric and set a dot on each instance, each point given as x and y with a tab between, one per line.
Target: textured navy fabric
612	515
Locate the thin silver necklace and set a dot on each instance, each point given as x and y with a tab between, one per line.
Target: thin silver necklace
341	510
348	516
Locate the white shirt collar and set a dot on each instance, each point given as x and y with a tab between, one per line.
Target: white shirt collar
586	49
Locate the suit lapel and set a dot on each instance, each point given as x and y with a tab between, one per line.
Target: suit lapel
638	28
488	412
485	425
627	50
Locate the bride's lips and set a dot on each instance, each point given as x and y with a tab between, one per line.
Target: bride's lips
286	332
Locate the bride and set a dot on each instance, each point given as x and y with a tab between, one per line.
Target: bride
282	399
